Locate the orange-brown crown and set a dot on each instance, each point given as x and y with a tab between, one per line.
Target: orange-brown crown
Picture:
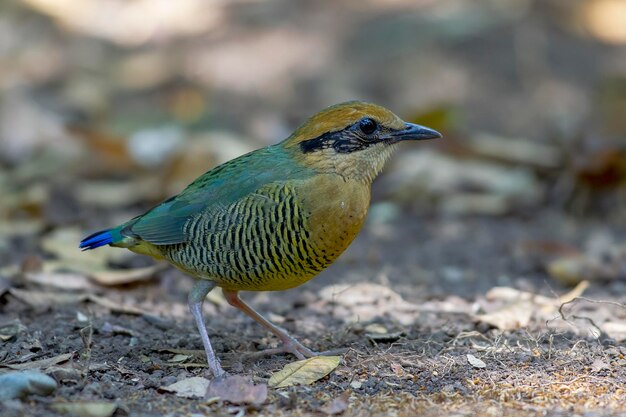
340	116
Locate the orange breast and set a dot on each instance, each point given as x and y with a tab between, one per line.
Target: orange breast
337	211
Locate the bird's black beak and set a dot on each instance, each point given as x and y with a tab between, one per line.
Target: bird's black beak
414	132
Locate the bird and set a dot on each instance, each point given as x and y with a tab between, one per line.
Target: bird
273	218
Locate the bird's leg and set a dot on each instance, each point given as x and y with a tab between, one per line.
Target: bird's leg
290	344
196	297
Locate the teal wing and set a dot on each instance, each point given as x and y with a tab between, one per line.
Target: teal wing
220	187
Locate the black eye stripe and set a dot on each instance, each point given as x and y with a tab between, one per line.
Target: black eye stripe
347	140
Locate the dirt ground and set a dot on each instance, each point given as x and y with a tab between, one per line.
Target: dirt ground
418	368
489	279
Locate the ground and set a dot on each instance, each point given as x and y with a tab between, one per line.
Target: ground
419	367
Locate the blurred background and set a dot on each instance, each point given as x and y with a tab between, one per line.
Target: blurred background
107	107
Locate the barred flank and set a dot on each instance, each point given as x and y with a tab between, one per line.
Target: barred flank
259	242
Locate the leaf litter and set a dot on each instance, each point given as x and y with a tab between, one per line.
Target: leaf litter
237	389
304	372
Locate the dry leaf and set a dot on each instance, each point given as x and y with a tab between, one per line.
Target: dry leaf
511	316
365	301
376	328
125	276
519	306
194	387
11	329
46	298
86	409
41	363
599	365
570	270
304	372
475	362
179	358
615	329
237	389
114	306
65	280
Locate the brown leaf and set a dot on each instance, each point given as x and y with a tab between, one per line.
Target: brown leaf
511	316
365	301
114	306
237	389
570	270
46	298
65	280
194	387
304	372
517	307
125	276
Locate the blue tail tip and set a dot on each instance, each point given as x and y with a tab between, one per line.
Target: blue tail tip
96	240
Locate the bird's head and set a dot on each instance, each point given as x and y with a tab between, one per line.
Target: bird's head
353	139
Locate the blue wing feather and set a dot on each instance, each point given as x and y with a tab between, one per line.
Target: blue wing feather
229	182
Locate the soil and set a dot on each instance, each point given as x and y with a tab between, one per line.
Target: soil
422	370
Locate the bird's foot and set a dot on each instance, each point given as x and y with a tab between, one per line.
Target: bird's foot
295	348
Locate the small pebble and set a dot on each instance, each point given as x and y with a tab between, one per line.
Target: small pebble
21	384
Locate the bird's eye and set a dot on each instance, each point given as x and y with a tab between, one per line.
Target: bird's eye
368	126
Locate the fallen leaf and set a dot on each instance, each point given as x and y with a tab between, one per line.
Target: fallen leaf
304	372
615	329
86	409
570	270
64	373
194	387
475	362
41	363
376	328
356	384
519	306
46	298
338	405
65	280
125	276
114	306
109	328
11	329
238	390
178	358
366	301
509	317
63	244
385	337
599	365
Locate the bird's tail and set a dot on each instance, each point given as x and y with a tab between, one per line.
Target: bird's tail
101	238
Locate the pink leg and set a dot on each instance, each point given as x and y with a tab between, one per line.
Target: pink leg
290	344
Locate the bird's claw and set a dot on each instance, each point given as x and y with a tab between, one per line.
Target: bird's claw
295	348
